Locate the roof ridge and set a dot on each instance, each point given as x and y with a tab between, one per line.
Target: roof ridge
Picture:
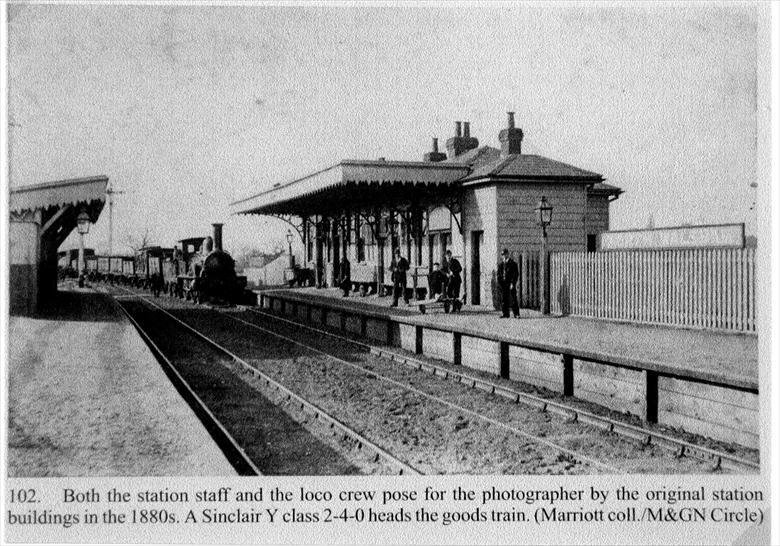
504	163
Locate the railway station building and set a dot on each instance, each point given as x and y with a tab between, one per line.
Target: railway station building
41	218
473	200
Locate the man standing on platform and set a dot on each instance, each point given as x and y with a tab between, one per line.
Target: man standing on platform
399	266
437	281
345	282
507	281
453	272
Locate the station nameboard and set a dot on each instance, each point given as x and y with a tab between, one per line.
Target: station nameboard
715	236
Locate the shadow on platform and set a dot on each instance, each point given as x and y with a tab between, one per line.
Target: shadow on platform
79	306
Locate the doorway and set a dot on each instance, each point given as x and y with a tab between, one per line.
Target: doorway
477	238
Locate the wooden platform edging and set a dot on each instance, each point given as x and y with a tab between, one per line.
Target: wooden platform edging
581	373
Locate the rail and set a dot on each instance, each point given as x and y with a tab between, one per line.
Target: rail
652	370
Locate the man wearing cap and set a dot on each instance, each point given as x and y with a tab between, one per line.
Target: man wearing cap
507	281
454	269
399	267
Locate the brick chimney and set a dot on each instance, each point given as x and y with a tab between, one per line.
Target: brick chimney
511	138
435	156
461	143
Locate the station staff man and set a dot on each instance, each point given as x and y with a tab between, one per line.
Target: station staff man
507	281
399	266
453	272
344	279
437	281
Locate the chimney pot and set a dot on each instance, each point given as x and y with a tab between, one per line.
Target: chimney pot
435	155
466	129
510	120
457	129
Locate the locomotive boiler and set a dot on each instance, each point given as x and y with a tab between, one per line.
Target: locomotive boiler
211	275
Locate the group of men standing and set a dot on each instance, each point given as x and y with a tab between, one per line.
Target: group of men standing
446	280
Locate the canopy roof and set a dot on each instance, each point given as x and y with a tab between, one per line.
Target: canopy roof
351	183
58	204
74	191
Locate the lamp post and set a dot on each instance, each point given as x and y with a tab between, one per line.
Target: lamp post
82	224
543	218
381	236
290	238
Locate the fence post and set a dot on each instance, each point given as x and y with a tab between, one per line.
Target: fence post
504	359
544	278
568	375
418	340
457	351
651	396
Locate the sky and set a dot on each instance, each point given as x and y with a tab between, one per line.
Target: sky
188	108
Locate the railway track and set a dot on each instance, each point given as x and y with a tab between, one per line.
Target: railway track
235	454
571	414
675	446
268	386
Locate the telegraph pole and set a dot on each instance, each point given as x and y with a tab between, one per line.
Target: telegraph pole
110	191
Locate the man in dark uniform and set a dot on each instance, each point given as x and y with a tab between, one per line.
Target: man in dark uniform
344	281
507	281
453	272
400	266
437	281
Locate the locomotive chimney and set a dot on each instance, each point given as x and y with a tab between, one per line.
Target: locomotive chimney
217	236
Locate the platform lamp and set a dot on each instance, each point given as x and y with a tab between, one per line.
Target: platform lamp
82	224
290	238
544	218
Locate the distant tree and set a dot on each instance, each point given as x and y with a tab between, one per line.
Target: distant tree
138	241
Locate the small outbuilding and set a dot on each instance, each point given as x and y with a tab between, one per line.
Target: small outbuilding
41	218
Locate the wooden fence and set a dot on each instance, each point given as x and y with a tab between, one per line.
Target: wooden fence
528	283
705	288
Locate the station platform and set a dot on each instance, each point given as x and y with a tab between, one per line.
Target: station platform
697	381
87	398
722	354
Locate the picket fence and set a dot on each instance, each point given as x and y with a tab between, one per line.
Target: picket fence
705	288
528	283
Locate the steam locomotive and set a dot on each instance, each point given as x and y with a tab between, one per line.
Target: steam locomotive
196	269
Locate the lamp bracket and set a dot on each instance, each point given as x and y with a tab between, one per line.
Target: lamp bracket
295	221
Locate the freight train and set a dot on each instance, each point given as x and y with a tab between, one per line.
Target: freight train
196	269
